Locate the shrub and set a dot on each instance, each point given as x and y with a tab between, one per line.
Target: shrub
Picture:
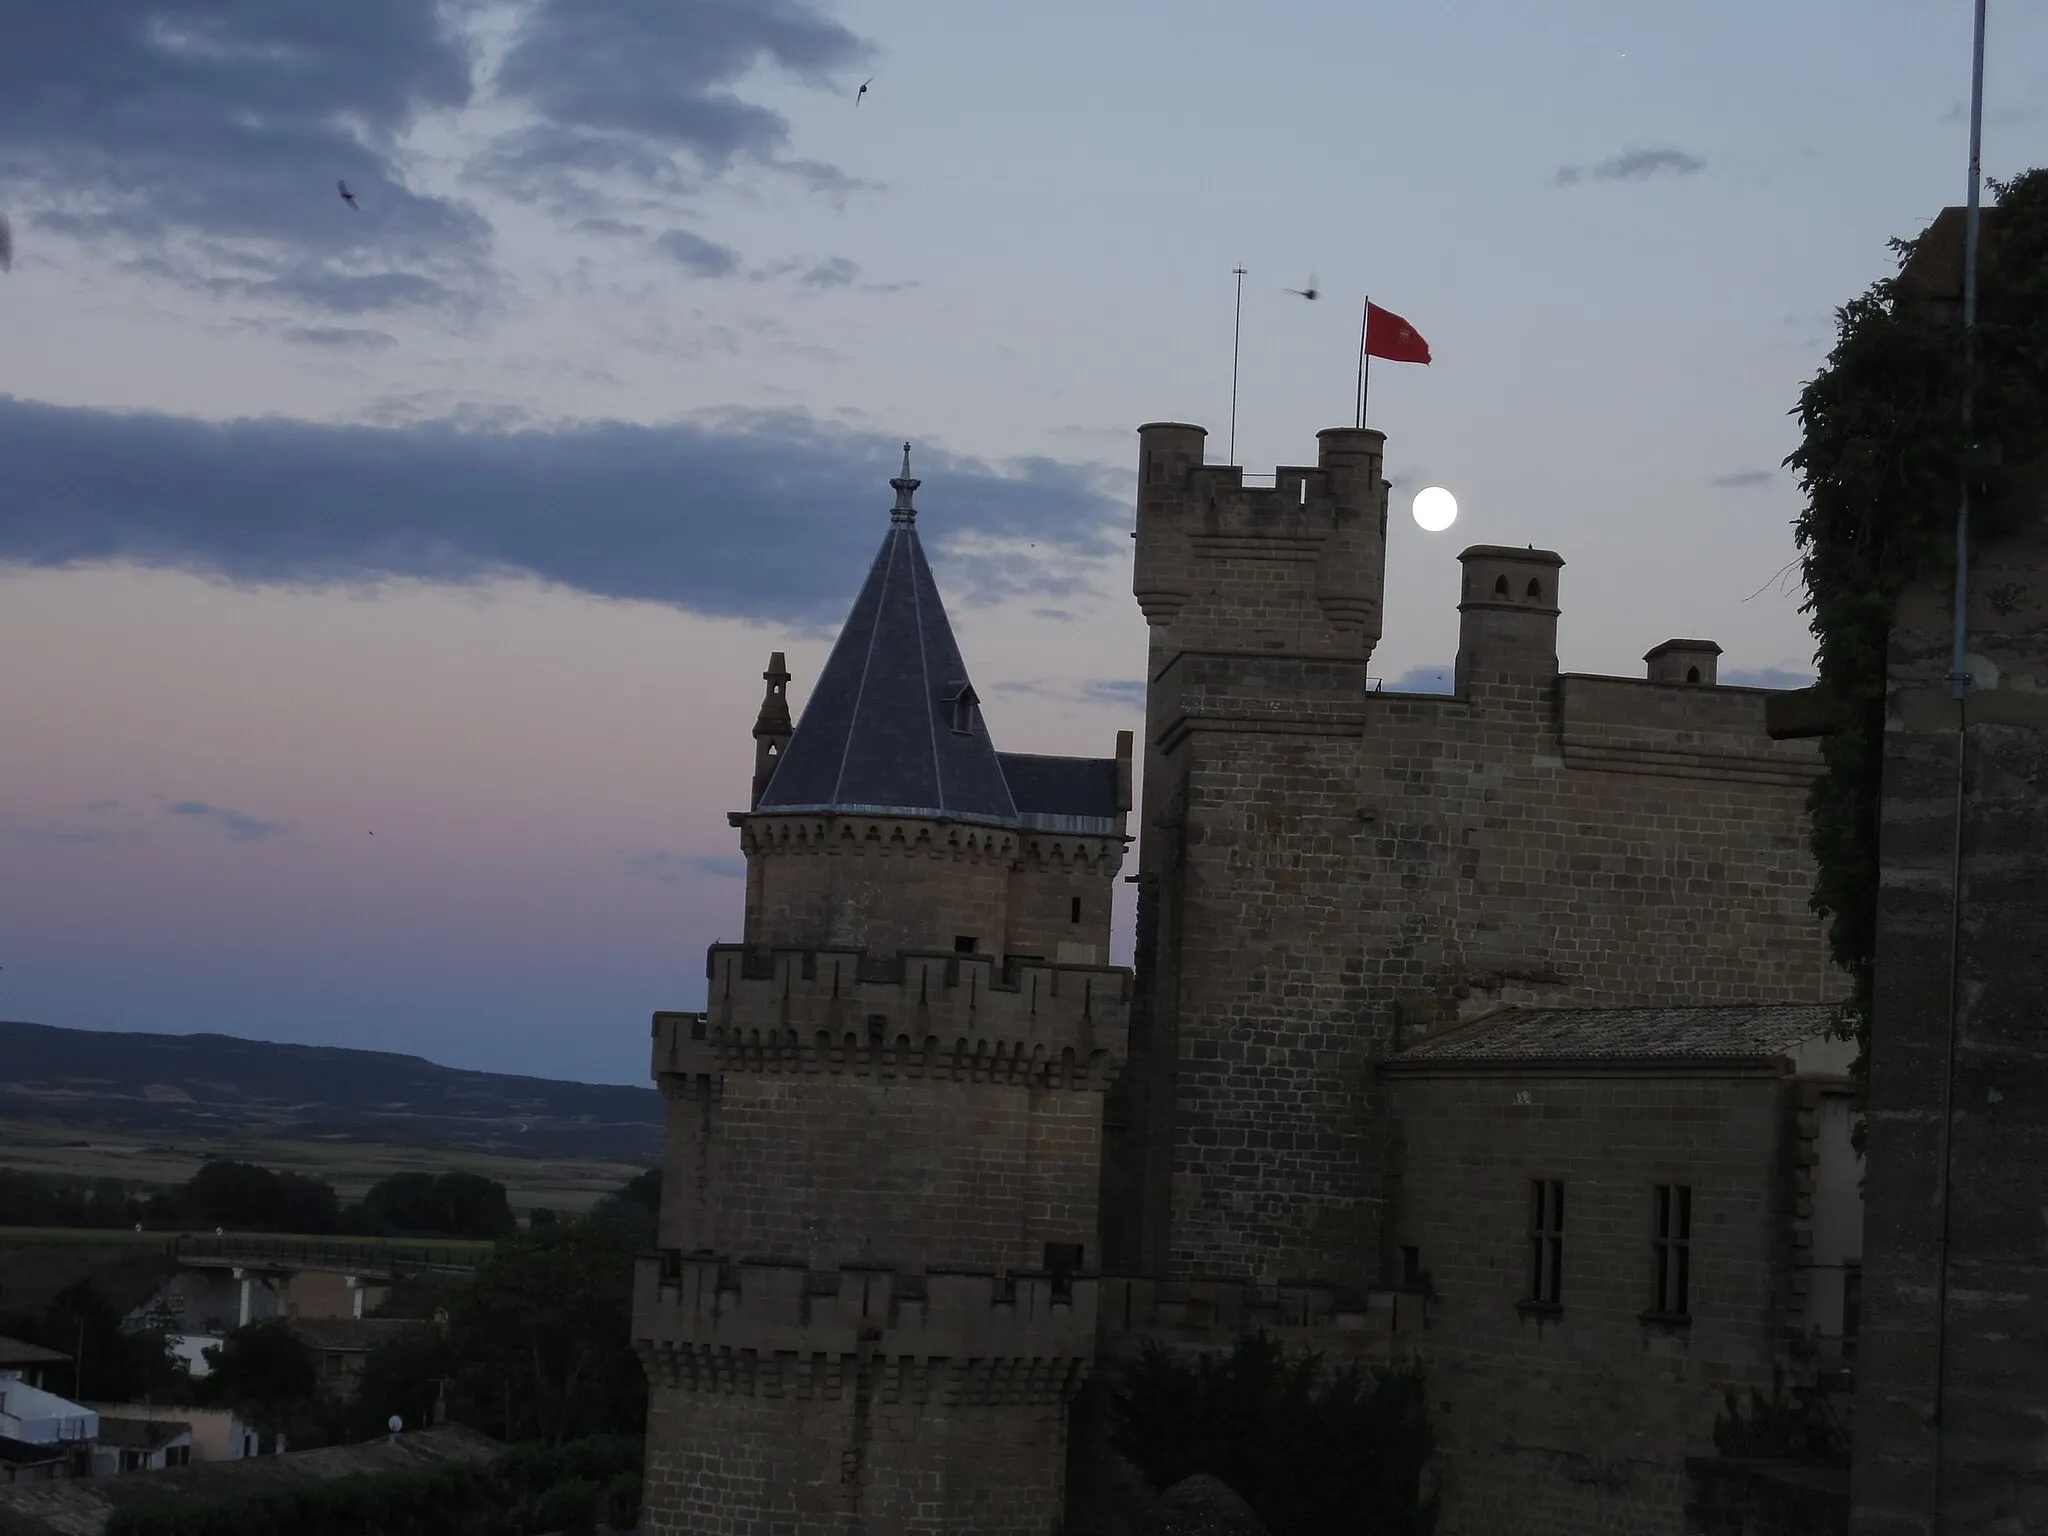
1316	1451
1792	1426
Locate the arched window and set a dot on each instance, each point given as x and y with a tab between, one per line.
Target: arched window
1500	586
1535	589
1692	674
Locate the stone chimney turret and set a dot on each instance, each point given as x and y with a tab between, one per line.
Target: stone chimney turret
771	726
1684	661
1507	616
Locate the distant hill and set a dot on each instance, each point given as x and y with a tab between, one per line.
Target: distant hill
216	1085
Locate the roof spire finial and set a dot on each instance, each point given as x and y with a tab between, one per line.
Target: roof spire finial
903	512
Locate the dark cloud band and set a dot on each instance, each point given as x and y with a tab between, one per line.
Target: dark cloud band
202	140
770	517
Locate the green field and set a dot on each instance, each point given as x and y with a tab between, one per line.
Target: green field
49	1146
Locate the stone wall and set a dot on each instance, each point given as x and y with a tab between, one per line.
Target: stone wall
1326	868
753	1466
886	884
1765	1498
1991	1368
787	1399
831	1170
1587	1412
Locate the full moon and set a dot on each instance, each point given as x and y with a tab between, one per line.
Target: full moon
1435	508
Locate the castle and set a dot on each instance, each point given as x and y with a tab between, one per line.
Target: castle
1487	1028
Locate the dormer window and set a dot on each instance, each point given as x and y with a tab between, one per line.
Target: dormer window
965	710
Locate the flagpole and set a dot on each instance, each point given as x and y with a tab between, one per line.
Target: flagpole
1364	319
1236	331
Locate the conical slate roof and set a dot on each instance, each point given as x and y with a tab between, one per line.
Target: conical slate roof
883	730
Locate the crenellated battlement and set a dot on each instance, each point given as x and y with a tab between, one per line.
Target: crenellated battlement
1297	567
913	836
918	1016
708	1324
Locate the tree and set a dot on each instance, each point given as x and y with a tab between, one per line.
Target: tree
541	1339
1316	1451
232	1194
263	1371
637	1203
108	1365
403	1376
441	1205
1794	1425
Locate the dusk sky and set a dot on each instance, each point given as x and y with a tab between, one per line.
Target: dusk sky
384	590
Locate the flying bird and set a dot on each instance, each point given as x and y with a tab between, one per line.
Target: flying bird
1311	292
346	195
6	245
863	89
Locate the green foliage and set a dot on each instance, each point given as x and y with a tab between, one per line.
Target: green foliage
1783	1425
107	1364
637	1203
1883	460
423	1503
249	1197
246	1197
540	1339
402	1376
437	1205
58	1200
622	1500
262	1370
531	1488
1316	1451
572	1507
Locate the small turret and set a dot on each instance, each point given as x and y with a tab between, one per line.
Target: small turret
771	726
1684	661
1507	617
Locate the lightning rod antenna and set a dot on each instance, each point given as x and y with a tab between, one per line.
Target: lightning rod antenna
1236	331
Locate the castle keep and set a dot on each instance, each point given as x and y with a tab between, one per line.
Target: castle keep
875	1293
1488	1029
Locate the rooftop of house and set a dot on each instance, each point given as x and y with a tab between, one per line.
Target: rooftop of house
67	1507
1754	1032
894	724
19	1354
349	1334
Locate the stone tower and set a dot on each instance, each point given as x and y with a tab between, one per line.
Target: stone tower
1263	607
875	1293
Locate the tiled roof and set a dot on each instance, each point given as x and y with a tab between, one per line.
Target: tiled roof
15	1353
878	731
79	1507
1055	791
1712	1033
349	1334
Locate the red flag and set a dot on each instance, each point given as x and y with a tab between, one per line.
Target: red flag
1388	335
